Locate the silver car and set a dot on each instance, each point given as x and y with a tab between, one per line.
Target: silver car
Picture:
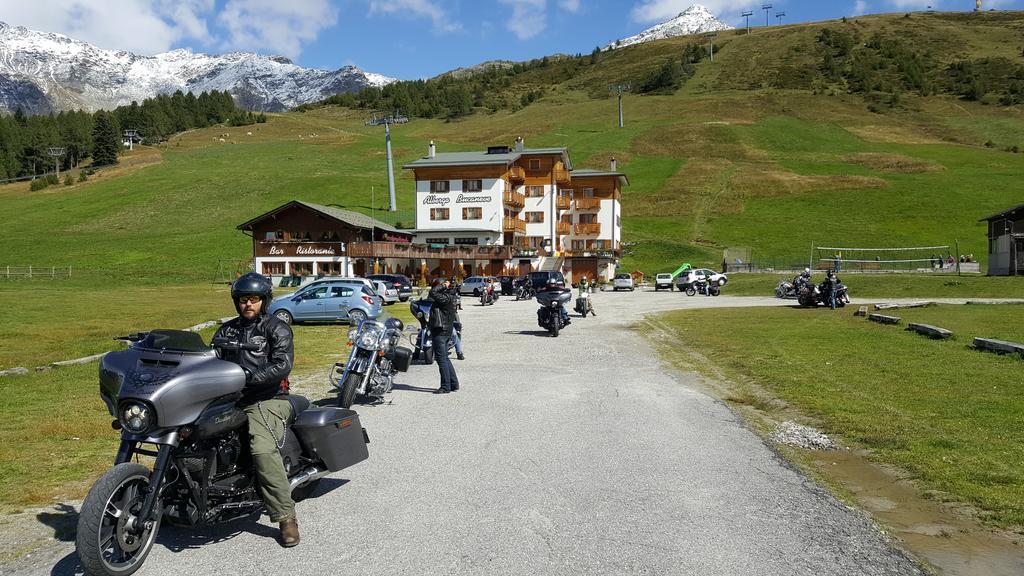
386	291
328	301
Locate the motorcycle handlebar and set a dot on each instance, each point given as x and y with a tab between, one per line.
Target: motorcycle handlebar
228	344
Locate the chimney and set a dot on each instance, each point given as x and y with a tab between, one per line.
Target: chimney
432	150
615	165
520	144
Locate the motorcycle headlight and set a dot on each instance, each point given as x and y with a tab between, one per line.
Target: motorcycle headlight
369	335
137	417
352	334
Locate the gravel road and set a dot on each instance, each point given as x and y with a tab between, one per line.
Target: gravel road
572	455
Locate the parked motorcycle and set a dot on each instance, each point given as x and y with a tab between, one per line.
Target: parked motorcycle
700	287
814	294
373	363
552	315
525	290
173	398
785	290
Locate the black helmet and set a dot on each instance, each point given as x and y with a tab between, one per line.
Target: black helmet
394	324
253	283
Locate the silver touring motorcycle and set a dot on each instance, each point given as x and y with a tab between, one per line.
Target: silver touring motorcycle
174	400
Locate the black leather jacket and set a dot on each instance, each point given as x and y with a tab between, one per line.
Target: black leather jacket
444	301
266	368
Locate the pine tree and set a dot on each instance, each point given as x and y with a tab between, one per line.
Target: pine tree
106	139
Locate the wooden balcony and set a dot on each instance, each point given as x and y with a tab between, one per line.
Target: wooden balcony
587	229
513	225
562	176
562	228
562	202
514	199
426	251
516	174
588	204
592	253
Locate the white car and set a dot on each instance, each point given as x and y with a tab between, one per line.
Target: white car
622	282
386	291
473	285
663	281
702	274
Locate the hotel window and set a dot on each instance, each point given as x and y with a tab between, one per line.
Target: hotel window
439	186
534	191
534	165
579	245
301	268
272	236
588	218
472	213
437	240
535	217
467	241
535	241
588	192
438	213
273	268
328	268
472	185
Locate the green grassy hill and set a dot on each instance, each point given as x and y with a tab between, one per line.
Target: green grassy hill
727	160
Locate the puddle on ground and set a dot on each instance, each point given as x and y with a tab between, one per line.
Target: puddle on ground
952	542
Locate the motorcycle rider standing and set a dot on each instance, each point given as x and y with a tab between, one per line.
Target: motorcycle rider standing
264	396
442	318
830	288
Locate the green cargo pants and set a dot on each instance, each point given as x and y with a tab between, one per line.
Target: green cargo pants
273	481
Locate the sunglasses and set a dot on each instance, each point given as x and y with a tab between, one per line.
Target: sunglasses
251	299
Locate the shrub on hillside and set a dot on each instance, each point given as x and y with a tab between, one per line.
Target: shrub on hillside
68	179
38	184
82	176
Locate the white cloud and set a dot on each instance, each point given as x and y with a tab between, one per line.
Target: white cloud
275	26
570	5
860	7
528	19
661	10
143	27
442	22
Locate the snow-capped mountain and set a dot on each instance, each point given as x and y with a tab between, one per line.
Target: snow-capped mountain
694	20
43	72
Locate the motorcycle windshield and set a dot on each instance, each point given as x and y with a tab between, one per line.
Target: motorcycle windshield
174	340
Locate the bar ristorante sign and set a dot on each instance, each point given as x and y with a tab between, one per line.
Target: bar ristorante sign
300	249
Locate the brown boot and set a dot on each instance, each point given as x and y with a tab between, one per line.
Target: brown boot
289	533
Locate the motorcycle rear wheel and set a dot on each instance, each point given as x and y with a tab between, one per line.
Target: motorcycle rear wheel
348	389
103	542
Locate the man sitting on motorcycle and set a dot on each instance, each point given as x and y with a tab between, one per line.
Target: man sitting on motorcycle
264	396
554	285
802	279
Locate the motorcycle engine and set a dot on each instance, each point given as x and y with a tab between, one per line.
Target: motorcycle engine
227	454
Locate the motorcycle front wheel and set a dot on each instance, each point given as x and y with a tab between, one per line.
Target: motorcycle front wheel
348	389
105	544
554	328
691	291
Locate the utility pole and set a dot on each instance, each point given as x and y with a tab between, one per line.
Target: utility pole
388	118
780	15
56	152
619	89
747	14
766	8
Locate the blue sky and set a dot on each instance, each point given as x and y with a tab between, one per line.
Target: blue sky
405	39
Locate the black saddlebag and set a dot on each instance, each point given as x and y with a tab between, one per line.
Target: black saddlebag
400	358
334	435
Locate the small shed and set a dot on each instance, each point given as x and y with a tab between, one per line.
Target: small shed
1006	242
